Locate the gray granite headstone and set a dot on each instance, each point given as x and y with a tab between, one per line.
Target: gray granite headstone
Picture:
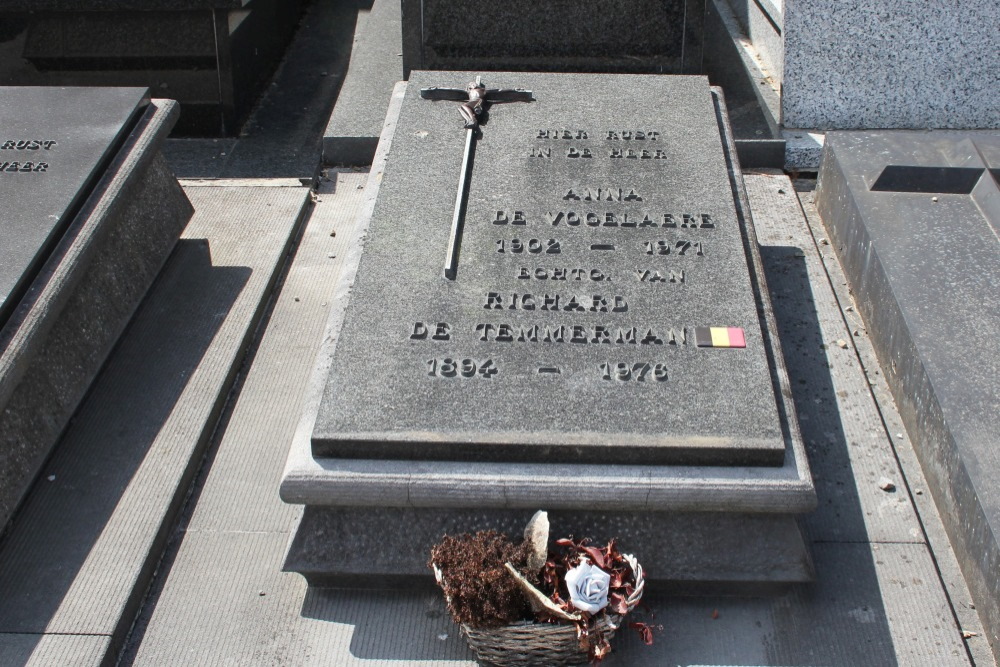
601	245
915	220
53	147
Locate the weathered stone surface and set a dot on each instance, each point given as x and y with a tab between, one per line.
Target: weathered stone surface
634	277
56	339
613	495
914	217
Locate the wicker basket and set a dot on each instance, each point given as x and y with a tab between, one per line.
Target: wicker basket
535	644
544	644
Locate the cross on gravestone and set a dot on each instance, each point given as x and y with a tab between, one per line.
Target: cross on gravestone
473	97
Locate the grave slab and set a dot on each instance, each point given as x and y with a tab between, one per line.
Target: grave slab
559	36
914	218
351	136
44	181
602	307
213	56
91	230
357	483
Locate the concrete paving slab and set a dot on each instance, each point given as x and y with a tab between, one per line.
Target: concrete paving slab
215	613
236	539
241	490
80	555
966	614
884	598
29	650
376	65
871	605
845	438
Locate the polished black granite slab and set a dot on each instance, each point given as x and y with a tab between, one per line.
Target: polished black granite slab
54	145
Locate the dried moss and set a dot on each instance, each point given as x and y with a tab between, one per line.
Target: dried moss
480	591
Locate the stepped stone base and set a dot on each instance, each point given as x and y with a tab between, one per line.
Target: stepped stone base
386	546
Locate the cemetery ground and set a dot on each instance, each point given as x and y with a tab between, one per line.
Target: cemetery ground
155	534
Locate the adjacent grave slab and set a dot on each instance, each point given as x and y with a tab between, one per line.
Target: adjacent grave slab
94	218
44	181
648	36
351	136
214	56
915	219
751	92
594	352
940	72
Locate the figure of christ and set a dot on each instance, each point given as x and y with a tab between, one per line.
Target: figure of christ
474	97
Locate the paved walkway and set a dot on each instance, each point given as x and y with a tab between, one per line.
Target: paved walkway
156	536
878	600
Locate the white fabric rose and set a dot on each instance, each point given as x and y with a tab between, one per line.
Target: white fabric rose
588	587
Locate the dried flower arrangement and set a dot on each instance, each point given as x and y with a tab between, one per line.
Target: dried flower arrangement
523	604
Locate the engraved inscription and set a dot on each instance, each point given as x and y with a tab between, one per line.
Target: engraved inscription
466	368
533	246
676	277
629	209
677	247
541	273
632	135
556	302
503	219
562	134
579	151
627	220
640	154
24	167
638	372
21	166
26	144
579	333
439	331
580	193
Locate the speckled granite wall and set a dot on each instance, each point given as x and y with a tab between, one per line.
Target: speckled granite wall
891	64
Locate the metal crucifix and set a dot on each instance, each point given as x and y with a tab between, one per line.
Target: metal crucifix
474	98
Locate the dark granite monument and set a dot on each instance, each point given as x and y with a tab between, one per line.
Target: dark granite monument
91	213
915	220
643	36
559	305
214	56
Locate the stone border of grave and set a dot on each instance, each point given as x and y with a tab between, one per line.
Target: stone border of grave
902	210
57	339
728	525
